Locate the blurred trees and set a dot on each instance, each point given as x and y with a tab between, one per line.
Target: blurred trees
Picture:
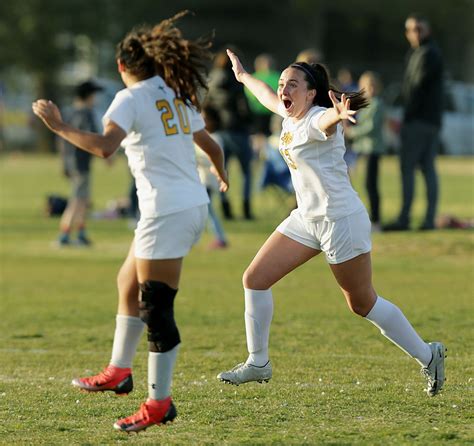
32	33
37	36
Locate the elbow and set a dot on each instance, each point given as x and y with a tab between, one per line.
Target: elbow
107	152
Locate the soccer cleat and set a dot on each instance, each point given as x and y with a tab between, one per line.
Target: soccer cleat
244	373
82	240
434	371
63	240
116	379
151	412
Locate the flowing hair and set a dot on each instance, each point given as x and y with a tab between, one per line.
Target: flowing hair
162	50
317	78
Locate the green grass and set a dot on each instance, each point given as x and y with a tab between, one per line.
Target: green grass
337	381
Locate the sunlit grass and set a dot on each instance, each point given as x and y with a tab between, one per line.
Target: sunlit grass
336	379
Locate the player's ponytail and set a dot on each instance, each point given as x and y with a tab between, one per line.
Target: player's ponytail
317	78
163	50
131	53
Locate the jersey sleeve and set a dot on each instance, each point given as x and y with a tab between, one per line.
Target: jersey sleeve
197	121
314	132
121	111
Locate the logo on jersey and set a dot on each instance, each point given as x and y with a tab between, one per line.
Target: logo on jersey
286	140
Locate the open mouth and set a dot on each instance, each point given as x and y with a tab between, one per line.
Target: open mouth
287	103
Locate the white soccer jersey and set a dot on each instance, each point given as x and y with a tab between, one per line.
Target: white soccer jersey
159	146
318	170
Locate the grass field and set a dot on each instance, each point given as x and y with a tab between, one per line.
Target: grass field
336	381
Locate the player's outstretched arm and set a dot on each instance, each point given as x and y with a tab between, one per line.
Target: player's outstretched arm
100	145
340	110
215	154
265	95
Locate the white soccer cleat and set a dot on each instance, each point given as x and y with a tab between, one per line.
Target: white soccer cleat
244	373
434	371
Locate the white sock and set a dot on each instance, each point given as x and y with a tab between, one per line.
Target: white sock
258	317
160	373
394	325
128	331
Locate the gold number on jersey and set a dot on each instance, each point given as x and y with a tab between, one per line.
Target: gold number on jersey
167	116
285	153
182	115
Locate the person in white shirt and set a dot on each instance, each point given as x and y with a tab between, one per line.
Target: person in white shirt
156	119
330	218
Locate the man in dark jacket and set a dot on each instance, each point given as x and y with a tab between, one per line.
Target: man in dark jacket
422	94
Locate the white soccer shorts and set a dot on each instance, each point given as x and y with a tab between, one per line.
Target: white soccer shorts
171	236
340	240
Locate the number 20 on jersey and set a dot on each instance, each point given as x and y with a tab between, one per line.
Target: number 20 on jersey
168	116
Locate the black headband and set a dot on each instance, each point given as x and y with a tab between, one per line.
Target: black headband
303	68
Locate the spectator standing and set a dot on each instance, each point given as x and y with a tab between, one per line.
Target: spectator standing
367	140
204	166
422	95
265	71
345	82
227	96
77	164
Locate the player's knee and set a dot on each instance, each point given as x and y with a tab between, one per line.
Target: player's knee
251	280
361	306
157	311
359	309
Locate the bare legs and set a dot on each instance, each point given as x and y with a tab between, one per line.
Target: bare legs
355	280
280	255
74	214
129	325
135	270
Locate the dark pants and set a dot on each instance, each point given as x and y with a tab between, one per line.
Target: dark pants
237	144
371	185
419	145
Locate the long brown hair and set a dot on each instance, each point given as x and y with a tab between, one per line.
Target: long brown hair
162	50
317	78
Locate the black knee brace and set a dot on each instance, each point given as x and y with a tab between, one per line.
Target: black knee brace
156	310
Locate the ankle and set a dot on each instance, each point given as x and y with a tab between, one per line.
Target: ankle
158	404
258	359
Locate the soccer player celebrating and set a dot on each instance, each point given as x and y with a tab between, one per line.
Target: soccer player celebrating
330	218
156	120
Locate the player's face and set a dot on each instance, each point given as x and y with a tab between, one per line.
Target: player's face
294	94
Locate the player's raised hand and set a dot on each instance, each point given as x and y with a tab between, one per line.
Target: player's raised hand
48	112
237	67
343	107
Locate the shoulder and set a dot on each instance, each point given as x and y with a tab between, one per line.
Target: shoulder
125	95
314	113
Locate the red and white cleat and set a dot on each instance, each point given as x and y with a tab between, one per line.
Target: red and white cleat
112	378
151	412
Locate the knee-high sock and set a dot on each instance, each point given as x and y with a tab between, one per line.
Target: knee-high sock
160	373
394	325
258	317
128	331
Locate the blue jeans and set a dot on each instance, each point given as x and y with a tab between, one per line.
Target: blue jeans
238	144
